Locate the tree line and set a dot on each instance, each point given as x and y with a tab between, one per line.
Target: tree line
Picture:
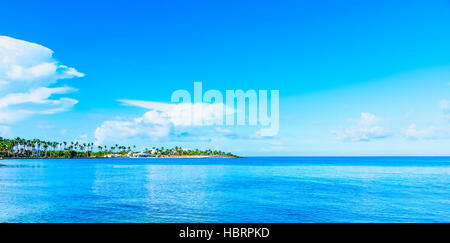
36	148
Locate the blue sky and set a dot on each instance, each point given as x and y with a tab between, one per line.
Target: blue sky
355	77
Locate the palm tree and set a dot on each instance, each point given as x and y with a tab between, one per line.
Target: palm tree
45	148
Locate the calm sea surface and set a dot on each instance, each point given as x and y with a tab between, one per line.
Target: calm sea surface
337	189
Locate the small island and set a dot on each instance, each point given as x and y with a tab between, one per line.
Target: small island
28	149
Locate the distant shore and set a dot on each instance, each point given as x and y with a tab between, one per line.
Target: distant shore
20	148
197	157
154	157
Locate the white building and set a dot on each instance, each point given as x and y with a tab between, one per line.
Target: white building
114	156
142	155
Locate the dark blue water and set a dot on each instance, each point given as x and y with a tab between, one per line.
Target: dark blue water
339	189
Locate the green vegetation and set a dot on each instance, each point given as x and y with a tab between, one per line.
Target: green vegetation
22	148
177	151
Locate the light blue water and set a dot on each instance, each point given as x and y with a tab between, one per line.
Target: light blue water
339	189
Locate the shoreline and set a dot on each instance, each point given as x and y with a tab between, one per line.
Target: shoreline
161	157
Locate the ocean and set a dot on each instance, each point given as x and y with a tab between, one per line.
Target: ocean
254	189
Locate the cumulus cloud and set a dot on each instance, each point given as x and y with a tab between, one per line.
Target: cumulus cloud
365	129
120	129
183	114
26	72
165	120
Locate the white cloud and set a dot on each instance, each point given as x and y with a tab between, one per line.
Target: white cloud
26	71
439	129
25	63
37	96
122	129
165	120
368	119
413	132
184	114
367	128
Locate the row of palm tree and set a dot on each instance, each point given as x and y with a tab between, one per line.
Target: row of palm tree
178	151
20	147
36	148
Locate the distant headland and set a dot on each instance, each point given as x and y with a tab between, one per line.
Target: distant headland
19	148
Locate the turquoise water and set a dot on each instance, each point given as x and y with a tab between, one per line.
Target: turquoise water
337	189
